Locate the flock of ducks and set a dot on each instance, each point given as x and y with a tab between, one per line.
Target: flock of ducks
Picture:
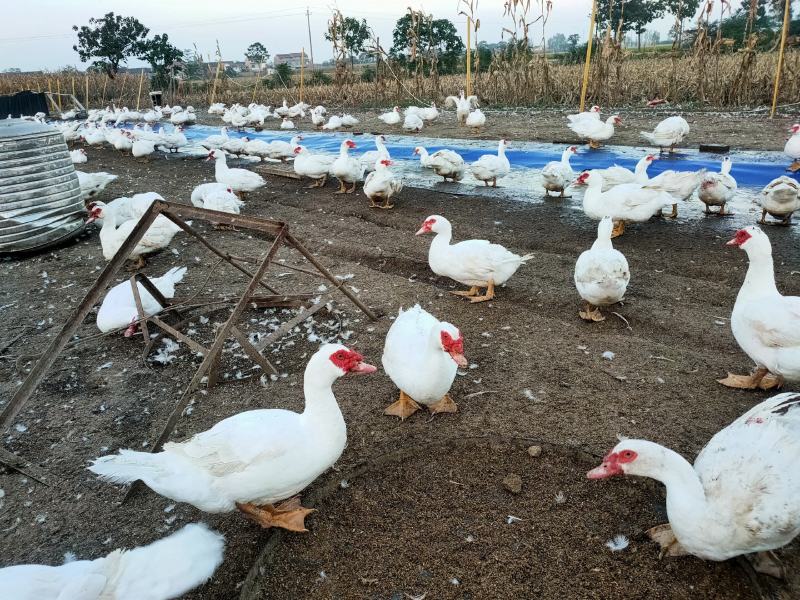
741	496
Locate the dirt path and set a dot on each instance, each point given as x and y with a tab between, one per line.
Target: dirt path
536	373
739	130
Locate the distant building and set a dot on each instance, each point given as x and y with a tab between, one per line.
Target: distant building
255	66
292	59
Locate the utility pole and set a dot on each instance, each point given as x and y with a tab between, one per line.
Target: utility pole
310	45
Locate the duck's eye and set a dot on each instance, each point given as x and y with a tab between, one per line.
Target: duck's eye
627	454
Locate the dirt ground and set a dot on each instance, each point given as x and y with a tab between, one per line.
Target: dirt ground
417	507
741	130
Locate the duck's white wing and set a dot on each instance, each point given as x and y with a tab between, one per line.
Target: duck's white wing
478	259
232	445
771	321
749	469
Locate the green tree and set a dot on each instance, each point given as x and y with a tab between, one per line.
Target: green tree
438	35
256	53
161	55
353	34
193	67
111	39
557	43
282	76
681	10
636	15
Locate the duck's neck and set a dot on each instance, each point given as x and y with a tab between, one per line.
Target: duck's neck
686	499
641	167
565	156
322	411
726	168
592	194
760	278
423	154
221	164
343	151
501	150
442	241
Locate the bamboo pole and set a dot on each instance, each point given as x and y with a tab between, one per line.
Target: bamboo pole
86	94
103	98
786	4
58	92
122	91
216	77
469	58
73	86
255	88
302	65
139	93
585	83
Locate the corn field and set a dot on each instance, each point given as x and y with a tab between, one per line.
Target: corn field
740	79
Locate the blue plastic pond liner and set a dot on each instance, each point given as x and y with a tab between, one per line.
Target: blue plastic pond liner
750	168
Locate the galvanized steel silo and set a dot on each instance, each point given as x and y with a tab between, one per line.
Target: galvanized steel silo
40	197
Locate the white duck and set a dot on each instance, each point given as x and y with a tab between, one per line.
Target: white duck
766	324
282	110
78	156
626	203
215	141
347	169
314	166
741	497
462	105
601	273
476	263
595	130
491	167
253	459
780	198
617	175
317	119
792	148
592	113
281	150
235	145
221	200
717	189
334	123
239	180
174	140
668	133
165	569
430	113
349	120
382	184
476	119
119	306
557	175
413	122
116	230
392	117
421	356
142	148
370	157
218	108
445	163
678	184
287	123
130	207
93	183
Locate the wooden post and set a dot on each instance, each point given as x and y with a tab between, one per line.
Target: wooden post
302	65
139	93
86	94
469	58
216	77
103	98
122	91
73	86
58	92
585	83
786	4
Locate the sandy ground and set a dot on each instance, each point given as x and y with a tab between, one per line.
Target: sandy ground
422	504
740	130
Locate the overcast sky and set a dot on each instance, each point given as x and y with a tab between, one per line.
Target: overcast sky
37	34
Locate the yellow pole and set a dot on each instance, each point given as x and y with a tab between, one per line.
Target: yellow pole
86	95
58	92
216	77
302	64
255	87
73	86
469	58
780	57
588	55
50	90
139	93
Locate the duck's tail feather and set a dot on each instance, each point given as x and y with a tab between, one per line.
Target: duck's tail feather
127	466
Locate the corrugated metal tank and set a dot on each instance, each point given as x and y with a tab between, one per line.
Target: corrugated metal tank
40	197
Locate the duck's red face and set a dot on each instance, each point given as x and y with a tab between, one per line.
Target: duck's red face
351	361
573	149
582	178
95	212
613	464
795	128
210	156
740	238
350	144
617	120
595	109
650	158
454	347
427	227
297	150
386	163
